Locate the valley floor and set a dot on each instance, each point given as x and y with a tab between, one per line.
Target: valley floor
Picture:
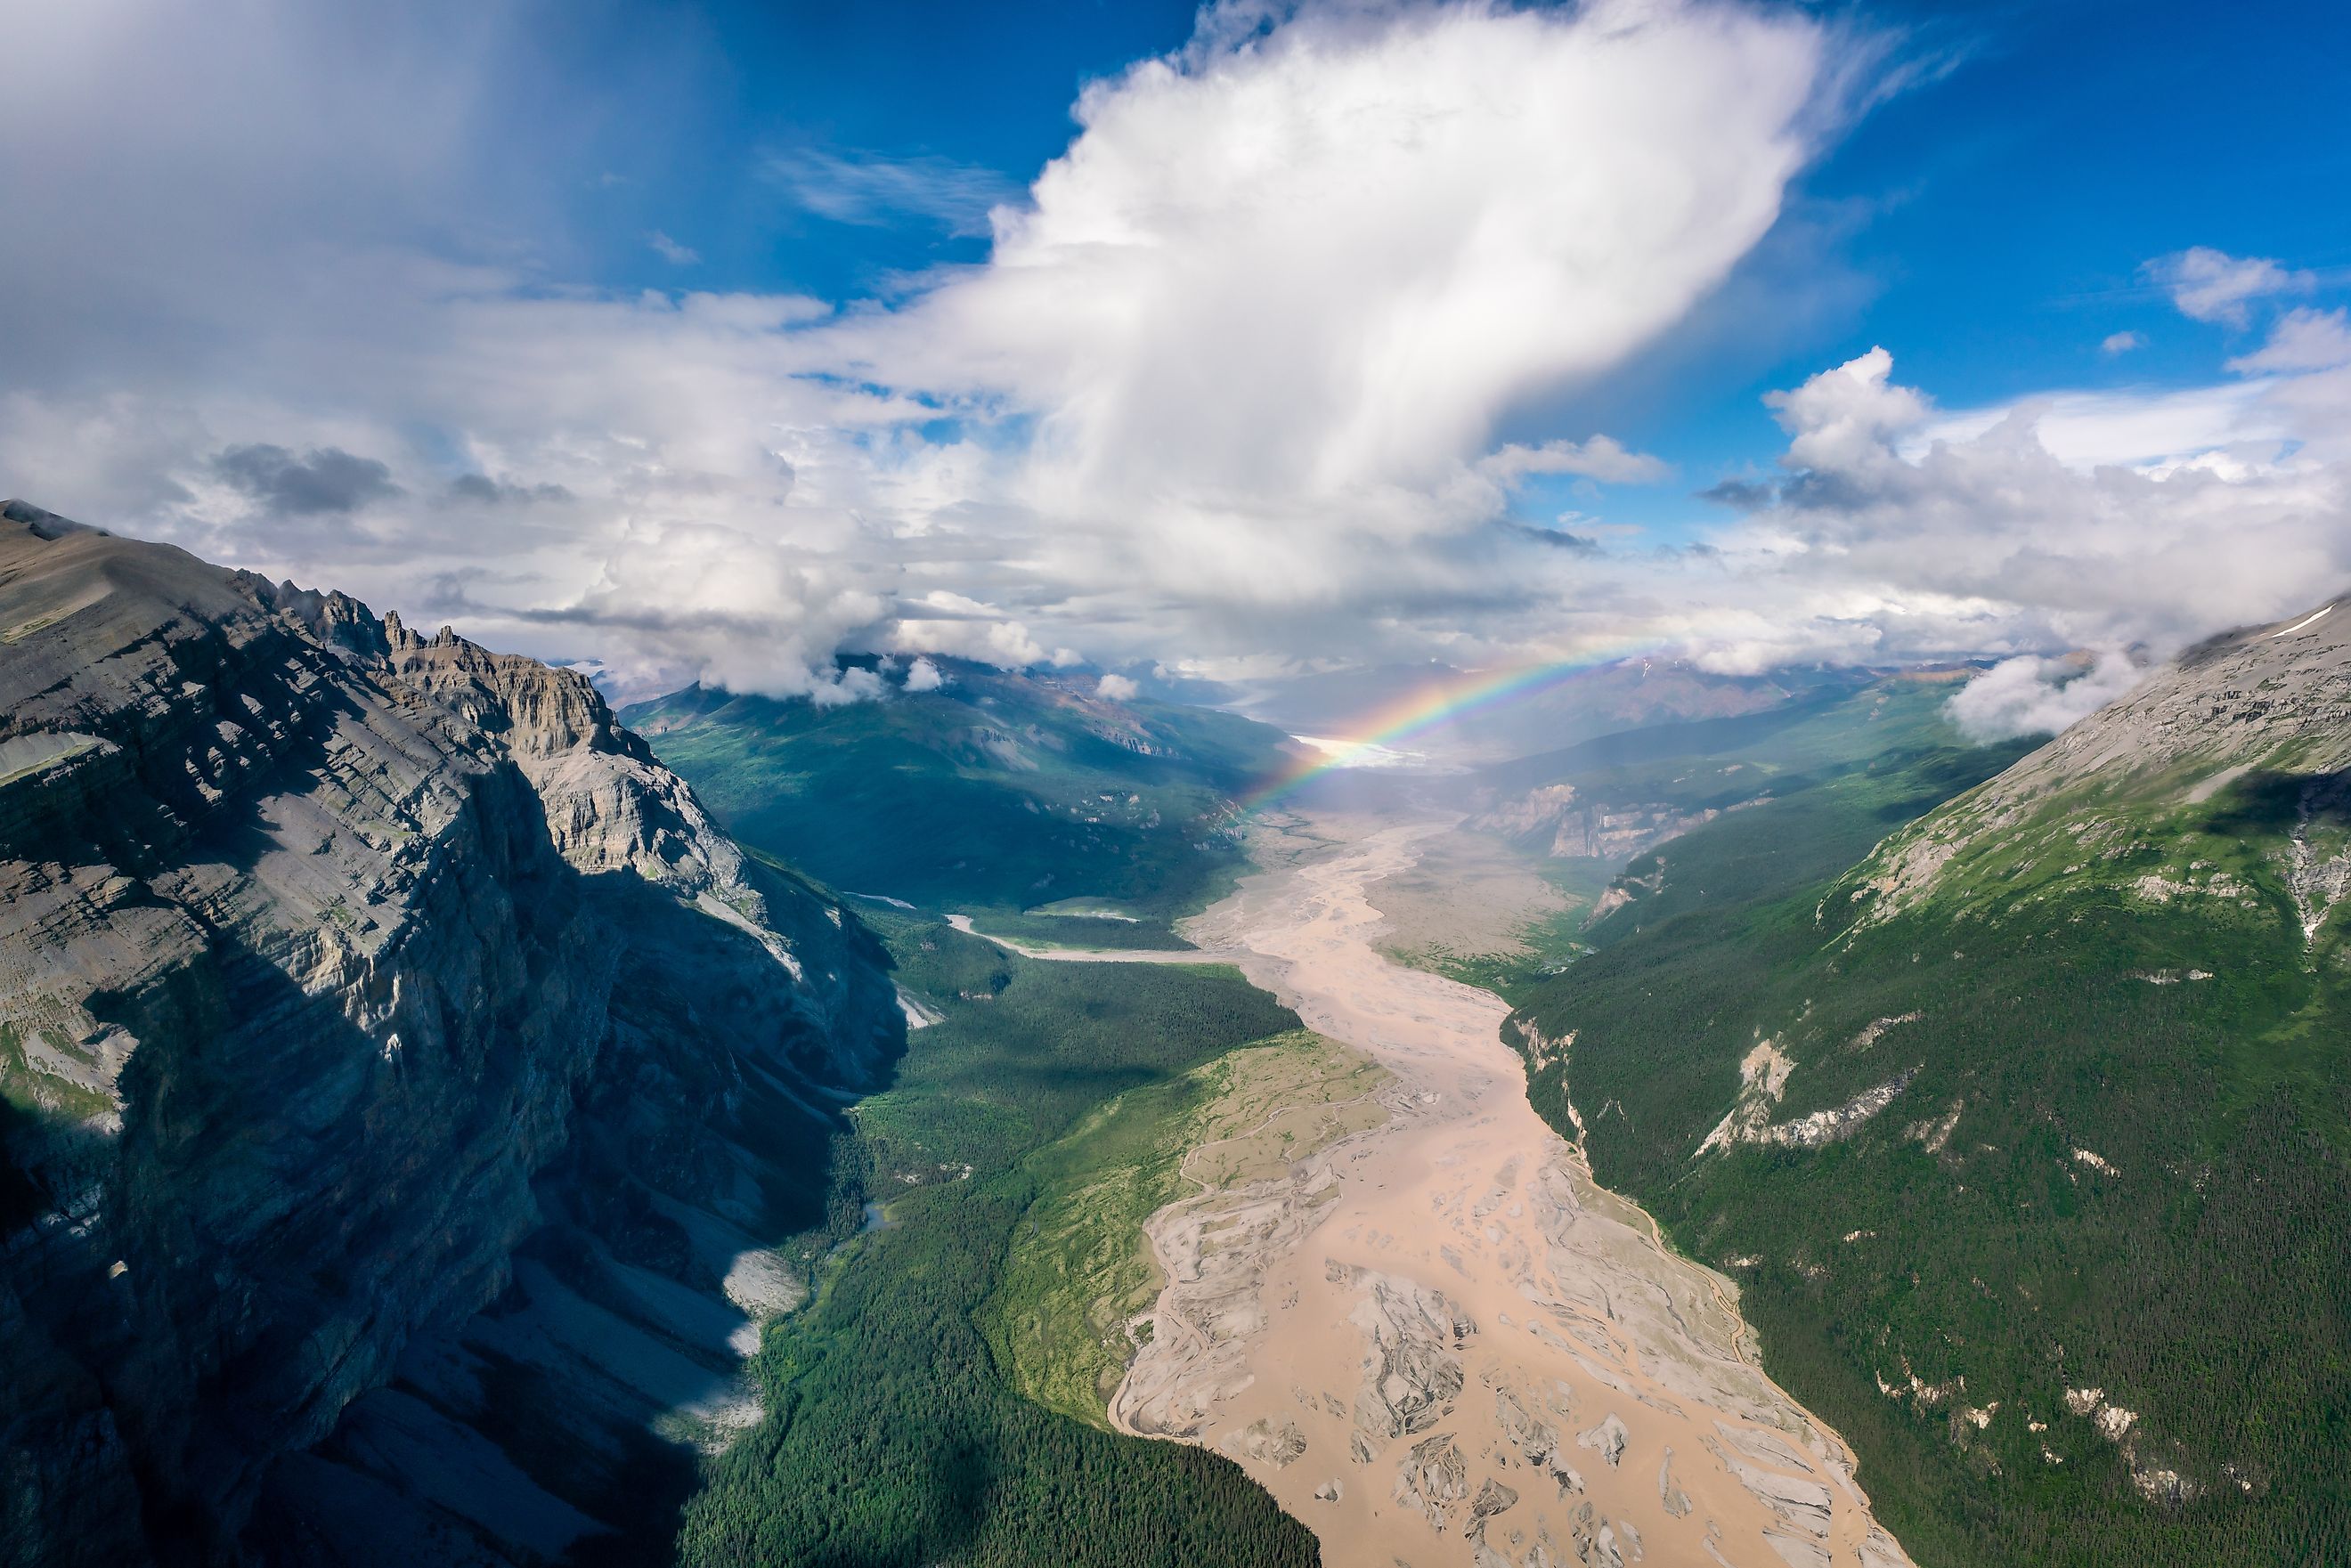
1434	1339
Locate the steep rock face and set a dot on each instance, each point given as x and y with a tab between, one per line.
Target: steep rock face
336	966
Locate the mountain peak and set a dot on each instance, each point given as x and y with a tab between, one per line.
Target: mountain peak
43	523
2262	702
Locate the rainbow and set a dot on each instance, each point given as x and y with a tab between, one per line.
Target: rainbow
1423	710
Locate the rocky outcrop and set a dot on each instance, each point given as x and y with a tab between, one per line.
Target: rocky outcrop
396	1059
1763	1080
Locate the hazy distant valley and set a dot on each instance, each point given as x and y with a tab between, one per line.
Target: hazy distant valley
1020	796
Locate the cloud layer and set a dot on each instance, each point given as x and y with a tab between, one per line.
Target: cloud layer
1224	395
2071	522
1240	349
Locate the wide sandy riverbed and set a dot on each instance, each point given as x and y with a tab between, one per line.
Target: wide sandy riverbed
1438	1342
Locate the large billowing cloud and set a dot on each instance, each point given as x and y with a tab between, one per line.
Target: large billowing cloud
1257	324
1241	349
1303	264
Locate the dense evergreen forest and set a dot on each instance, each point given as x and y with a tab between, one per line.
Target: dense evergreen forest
993	792
2078	1293
893	1435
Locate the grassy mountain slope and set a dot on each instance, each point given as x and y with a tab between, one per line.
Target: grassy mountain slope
2026	1136
999	790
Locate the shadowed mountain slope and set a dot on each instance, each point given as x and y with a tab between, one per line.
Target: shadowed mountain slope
401	1083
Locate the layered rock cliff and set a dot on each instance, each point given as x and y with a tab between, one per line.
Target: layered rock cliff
404	1082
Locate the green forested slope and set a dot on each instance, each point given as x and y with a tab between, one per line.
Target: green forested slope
998	790
2063	1250
892	1433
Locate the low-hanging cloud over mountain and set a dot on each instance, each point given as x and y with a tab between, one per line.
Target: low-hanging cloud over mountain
1226	391
2067	522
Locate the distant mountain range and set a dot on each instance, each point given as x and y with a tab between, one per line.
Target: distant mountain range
1609	799
994	789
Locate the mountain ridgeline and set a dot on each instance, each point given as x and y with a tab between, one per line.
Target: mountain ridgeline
403	1084
994	790
2026	1136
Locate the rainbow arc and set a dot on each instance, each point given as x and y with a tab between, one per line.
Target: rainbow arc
1408	717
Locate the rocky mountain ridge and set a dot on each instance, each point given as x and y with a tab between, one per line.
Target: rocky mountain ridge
394	1053
2266	709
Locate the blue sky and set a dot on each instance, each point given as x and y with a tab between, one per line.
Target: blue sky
1340	331
1989	224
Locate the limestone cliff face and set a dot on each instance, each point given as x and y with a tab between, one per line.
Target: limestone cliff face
343	973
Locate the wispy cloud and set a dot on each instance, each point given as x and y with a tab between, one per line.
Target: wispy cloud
669	250
321	480
2209	285
2302	341
866	188
1604	458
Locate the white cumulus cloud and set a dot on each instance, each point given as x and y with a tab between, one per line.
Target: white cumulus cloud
1327	256
1902	533
1224	387
2209	285
2030	695
1848	417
